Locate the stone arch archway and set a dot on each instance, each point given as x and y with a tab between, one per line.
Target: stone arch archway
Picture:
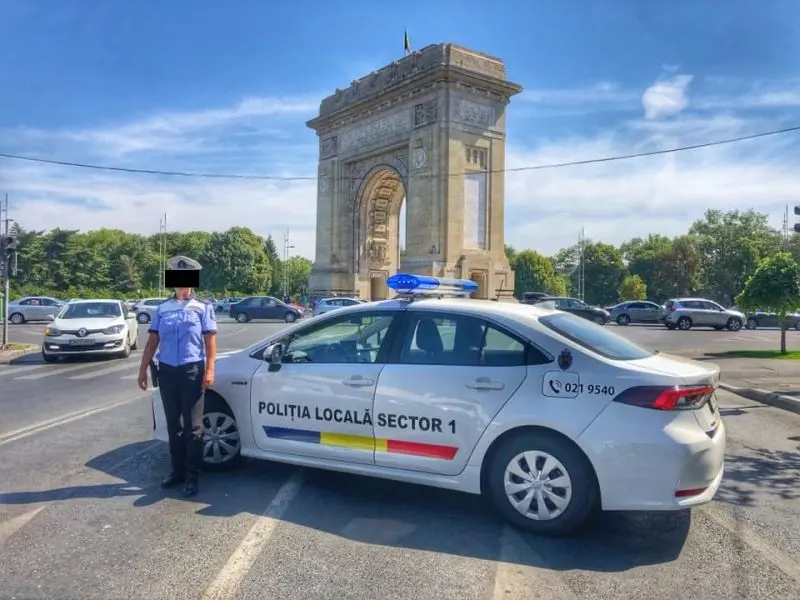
430	128
376	227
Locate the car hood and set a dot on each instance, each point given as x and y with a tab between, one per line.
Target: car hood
87	323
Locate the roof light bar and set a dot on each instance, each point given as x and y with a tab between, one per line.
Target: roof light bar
423	285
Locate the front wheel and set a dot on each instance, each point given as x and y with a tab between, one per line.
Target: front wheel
542	483
222	448
623	320
290	317
49	358
753	324
143	318
734	324
241	318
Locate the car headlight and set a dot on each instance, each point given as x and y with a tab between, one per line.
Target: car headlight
52	331
113	329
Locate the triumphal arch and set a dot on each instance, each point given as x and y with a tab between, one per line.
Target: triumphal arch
428	130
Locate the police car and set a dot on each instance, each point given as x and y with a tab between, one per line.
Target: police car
548	415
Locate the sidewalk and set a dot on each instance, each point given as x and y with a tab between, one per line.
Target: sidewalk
16	351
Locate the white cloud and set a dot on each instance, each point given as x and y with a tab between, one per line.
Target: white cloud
666	97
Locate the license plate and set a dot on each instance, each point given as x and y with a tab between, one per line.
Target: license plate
82	342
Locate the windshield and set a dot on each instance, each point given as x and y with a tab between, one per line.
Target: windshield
91	310
594	337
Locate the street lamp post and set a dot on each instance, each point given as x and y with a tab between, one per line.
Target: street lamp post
287	245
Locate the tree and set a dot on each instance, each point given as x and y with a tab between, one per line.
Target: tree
536	273
775	285
731	244
298	270
602	273
511	254
235	261
271	250
632	288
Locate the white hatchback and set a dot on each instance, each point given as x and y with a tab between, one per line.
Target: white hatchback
545	413
103	327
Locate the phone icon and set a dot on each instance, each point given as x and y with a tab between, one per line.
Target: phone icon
555	386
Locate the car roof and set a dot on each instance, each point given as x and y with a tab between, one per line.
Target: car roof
84	300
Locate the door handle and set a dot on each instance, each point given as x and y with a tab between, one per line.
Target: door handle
358	381
484	383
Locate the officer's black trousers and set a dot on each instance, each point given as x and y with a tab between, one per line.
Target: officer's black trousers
183	395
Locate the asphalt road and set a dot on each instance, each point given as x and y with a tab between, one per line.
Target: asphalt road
81	514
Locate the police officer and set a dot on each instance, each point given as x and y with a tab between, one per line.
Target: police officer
182	337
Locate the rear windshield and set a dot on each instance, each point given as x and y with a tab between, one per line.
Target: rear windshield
596	338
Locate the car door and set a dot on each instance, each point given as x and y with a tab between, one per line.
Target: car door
717	316
50	307
319	401
448	376
635	311
649	312
273	308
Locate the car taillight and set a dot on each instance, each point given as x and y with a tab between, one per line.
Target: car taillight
677	397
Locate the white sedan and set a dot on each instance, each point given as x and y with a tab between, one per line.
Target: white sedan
97	327
545	413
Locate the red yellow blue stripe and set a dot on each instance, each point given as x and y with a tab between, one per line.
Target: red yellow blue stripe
362	442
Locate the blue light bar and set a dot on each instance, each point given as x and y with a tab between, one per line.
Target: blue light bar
423	285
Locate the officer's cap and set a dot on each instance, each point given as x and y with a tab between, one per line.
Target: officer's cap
183	263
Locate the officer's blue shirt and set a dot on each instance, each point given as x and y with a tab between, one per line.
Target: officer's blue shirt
180	325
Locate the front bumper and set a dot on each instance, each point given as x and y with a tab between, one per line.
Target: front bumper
103	344
651	460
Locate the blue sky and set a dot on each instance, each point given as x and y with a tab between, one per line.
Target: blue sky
227	87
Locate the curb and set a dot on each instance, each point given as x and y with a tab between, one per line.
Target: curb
765	397
15	354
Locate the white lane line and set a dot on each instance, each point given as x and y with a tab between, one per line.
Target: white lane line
22	369
19	434
12	526
228	580
57	370
515	578
112	369
786	565
130	377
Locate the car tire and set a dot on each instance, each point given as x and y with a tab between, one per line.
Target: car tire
564	459
126	350
797	325
49	358
135	344
219	424
16	318
623	320
241	318
599	320
734	324
753	324
669	326
143	318
290	317
684	323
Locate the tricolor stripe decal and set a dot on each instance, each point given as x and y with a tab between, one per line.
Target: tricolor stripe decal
362	442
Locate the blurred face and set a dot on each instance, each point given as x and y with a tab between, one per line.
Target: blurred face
182	293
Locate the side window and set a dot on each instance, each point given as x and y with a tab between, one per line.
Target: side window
49	302
460	341
712	306
355	339
562	303
27	302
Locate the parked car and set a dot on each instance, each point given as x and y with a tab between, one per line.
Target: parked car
145	309
97	327
685	313
532	297
577	307
263	307
635	311
767	319
326	305
224	304
33	308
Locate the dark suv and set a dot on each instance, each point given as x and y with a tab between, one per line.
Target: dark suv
263	307
578	307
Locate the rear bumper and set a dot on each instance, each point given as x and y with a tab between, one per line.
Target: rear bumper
648	460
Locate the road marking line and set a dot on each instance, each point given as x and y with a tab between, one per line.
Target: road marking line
56	370
12	526
787	566
228	580
19	434
106	371
515	577
22	368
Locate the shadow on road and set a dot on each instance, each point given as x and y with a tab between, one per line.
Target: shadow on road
379	512
754	475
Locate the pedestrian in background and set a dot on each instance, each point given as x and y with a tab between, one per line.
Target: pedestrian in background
182	338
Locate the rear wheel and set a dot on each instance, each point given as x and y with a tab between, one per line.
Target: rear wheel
222	448
623	320
542	483
16	318
684	323
752	323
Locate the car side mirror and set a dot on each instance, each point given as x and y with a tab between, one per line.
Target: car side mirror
273	353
